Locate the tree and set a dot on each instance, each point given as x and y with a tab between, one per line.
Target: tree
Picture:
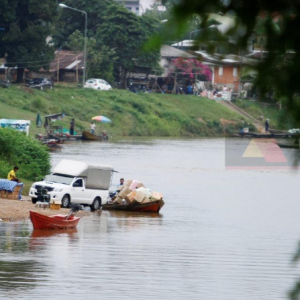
118	34
190	67
125	32
100	59
26	26
276	20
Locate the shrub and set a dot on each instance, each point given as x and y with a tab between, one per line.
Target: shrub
38	104
29	155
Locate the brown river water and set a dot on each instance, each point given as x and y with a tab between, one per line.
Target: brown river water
222	234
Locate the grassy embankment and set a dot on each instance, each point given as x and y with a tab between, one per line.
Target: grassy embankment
132	114
262	111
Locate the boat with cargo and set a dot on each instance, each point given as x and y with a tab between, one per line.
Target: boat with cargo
152	207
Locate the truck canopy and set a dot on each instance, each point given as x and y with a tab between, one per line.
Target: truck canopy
97	176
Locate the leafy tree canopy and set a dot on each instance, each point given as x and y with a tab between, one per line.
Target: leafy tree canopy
112	26
25	26
100	58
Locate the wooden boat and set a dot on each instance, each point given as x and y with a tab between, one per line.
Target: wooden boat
54	147
154	206
270	135
40	221
87	136
288	146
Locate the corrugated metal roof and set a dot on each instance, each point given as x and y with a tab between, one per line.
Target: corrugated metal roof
67	60
171	52
228	59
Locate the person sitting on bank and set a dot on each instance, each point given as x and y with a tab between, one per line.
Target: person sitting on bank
13	177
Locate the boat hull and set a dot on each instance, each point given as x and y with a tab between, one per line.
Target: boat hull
289	146
87	136
154	206
40	221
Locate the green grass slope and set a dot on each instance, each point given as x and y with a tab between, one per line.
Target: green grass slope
131	114
279	119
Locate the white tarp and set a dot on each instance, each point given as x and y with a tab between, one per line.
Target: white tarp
97	176
20	125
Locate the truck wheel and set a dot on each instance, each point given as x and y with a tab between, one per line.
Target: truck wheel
34	200
65	201
96	204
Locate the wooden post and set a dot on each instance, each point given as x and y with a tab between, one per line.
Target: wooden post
175	84
57	78
77	68
156	84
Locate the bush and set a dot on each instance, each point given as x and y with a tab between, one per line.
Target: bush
29	155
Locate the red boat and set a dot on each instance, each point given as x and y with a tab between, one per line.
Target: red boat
53	222
153	206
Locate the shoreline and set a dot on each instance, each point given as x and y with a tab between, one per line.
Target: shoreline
15	210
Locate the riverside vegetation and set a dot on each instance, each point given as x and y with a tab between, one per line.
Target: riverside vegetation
32	158
279	118
132	114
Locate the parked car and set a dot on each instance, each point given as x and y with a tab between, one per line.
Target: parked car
97	84
40	83
4	83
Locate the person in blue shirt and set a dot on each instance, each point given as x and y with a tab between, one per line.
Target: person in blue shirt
121	184
112	195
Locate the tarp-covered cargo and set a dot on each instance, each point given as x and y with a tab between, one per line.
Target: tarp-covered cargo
97	176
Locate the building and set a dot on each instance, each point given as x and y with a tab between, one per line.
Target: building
67	66
139	7
168	53
226	69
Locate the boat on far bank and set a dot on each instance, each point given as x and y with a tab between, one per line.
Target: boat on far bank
288	146
88	136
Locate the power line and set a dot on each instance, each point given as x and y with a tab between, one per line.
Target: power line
55	61
46	60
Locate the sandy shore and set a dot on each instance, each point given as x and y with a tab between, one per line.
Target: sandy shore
13	210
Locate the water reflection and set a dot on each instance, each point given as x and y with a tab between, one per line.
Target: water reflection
134	215
40	238
13	238
20	275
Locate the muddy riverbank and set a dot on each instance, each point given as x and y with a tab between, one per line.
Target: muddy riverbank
13	210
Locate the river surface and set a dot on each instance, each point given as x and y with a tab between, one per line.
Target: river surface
222	234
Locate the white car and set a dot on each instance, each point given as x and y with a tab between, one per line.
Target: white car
97	84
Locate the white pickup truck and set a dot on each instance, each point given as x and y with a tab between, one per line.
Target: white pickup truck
75	182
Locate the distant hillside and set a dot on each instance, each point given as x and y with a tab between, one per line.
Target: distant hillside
132	114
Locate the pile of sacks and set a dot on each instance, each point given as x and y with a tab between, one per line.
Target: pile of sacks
135	192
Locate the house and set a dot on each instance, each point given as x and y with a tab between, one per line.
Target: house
167	54
139	7
67	66
226	69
